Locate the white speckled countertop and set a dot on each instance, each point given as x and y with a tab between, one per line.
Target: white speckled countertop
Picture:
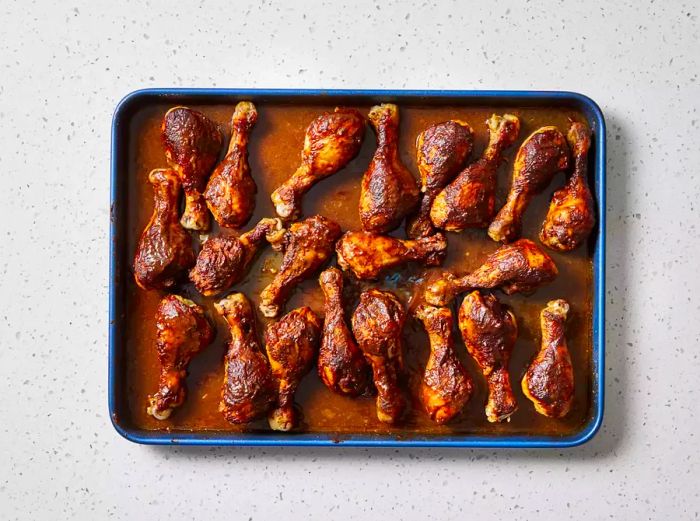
63	68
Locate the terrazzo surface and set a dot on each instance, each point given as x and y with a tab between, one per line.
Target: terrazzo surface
63	68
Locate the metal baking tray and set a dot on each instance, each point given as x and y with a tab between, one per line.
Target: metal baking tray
120	261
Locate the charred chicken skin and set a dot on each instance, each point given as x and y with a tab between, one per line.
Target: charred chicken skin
291	344
469	200
388	192
182	331
539	158
489	331
307	245
192	145
224	260
377	324
164	251
549	380
331	142
230	192
367	254
446	386
442	150
571	214
341	364
520	267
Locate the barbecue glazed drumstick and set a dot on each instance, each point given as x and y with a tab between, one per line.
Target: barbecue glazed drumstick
489	331
307	245
549	380
230	192
446	385
520	267
291	345
442	149
469	200
192	146
539	158
388	192
164	251
368	254
224	260
571	214
182	331
331	142
341	364
377	324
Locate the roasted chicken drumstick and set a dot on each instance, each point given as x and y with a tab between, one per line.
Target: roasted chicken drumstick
549	380
489	331
442	149
192	146
164	251
571	214
182	331
446	386
331	142
230	192
388	192
367	254
291	345
539	158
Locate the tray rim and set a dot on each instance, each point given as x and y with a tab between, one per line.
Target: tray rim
220	438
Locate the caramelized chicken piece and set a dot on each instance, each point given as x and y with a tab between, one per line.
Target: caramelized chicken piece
248	390
520	267
182	331
341	364
230	192
389	191
192	145
469	200
446	385
489	331
164	251
377	324
224	260
549	380
571	214
539	158
307	245
331	142
367	254
442	150
291	346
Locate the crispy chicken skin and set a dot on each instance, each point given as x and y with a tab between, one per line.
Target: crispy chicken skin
520	267
332	140
192	145
224	260
446	386
489	331
248	390
164	251
388	192
571	214
182	331
540	157
307	245
230	192
367	254
549	380
341	364
377	324
441	152
291	344
469	200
